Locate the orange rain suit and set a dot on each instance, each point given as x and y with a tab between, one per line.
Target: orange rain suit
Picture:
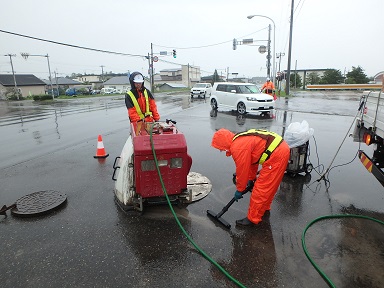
133	113
269	87
246	152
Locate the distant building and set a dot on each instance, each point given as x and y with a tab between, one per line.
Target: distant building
187	75
379	78
61	83
170	86
94	80
122	84
27	84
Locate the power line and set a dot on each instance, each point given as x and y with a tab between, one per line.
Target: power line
210	45
73	46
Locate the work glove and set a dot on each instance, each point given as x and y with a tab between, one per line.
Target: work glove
238	195
250	185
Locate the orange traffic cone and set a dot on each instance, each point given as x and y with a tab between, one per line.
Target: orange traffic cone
100	152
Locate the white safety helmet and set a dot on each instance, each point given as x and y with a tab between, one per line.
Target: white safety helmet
138	78
268	79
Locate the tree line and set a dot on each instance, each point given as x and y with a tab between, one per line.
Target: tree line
331	76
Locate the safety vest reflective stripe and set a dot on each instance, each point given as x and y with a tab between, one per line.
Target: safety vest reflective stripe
137	107
273	141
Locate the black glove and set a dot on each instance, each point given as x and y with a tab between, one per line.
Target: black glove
250	185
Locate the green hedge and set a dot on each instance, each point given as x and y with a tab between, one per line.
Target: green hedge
42	97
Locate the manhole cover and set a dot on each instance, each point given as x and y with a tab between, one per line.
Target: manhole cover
38	203
200	185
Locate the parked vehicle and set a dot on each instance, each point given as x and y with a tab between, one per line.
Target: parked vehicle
108	90
242	97
77	91
201	90
369	129
55	92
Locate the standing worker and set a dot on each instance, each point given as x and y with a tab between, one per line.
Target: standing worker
268	87
250	149
140	102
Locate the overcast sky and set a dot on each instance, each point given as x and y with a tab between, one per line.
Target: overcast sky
334	34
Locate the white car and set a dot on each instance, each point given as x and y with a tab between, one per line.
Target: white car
242	97
201	90
108	90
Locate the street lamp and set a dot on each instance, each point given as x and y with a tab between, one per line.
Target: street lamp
274	29
26	55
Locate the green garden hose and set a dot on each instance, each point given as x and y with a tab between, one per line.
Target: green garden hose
322	274
206	256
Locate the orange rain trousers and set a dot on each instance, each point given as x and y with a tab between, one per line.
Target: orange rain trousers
268	182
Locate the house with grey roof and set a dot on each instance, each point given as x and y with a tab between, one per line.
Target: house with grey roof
27	84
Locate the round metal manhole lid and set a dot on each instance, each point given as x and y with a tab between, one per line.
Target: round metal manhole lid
199	185
38	203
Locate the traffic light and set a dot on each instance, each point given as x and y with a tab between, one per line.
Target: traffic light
174	53
234	43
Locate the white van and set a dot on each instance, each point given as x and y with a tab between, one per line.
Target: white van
107	90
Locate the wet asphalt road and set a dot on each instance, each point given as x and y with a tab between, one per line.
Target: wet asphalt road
90	242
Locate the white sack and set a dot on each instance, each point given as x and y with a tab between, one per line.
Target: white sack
298	133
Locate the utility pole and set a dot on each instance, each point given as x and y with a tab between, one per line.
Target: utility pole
289	53
50	77
102	73
295	73
26	55
227	73
57	85
13	72
152	82
149	69
269	52
278	56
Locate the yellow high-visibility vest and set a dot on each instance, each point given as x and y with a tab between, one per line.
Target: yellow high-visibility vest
137	106
273	140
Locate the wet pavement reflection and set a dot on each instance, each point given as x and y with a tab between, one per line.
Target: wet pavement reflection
92	243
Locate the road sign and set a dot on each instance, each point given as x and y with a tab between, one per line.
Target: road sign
155	59
163	53
247	41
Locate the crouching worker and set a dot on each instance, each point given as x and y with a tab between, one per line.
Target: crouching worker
140	102
250	149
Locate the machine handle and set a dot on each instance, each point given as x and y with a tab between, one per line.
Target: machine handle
114	163
114	172
115	168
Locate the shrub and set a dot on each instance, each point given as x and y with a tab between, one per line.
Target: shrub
42	97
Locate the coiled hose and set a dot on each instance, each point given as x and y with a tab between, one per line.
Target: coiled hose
205	255
322	274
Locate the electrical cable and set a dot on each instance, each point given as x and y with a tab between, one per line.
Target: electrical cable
210	45
322	274
73	46
337	152
206	256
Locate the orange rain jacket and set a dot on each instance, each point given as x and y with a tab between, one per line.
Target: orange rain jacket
139	95
269	87
246	152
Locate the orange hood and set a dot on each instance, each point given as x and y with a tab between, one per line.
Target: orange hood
222	140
